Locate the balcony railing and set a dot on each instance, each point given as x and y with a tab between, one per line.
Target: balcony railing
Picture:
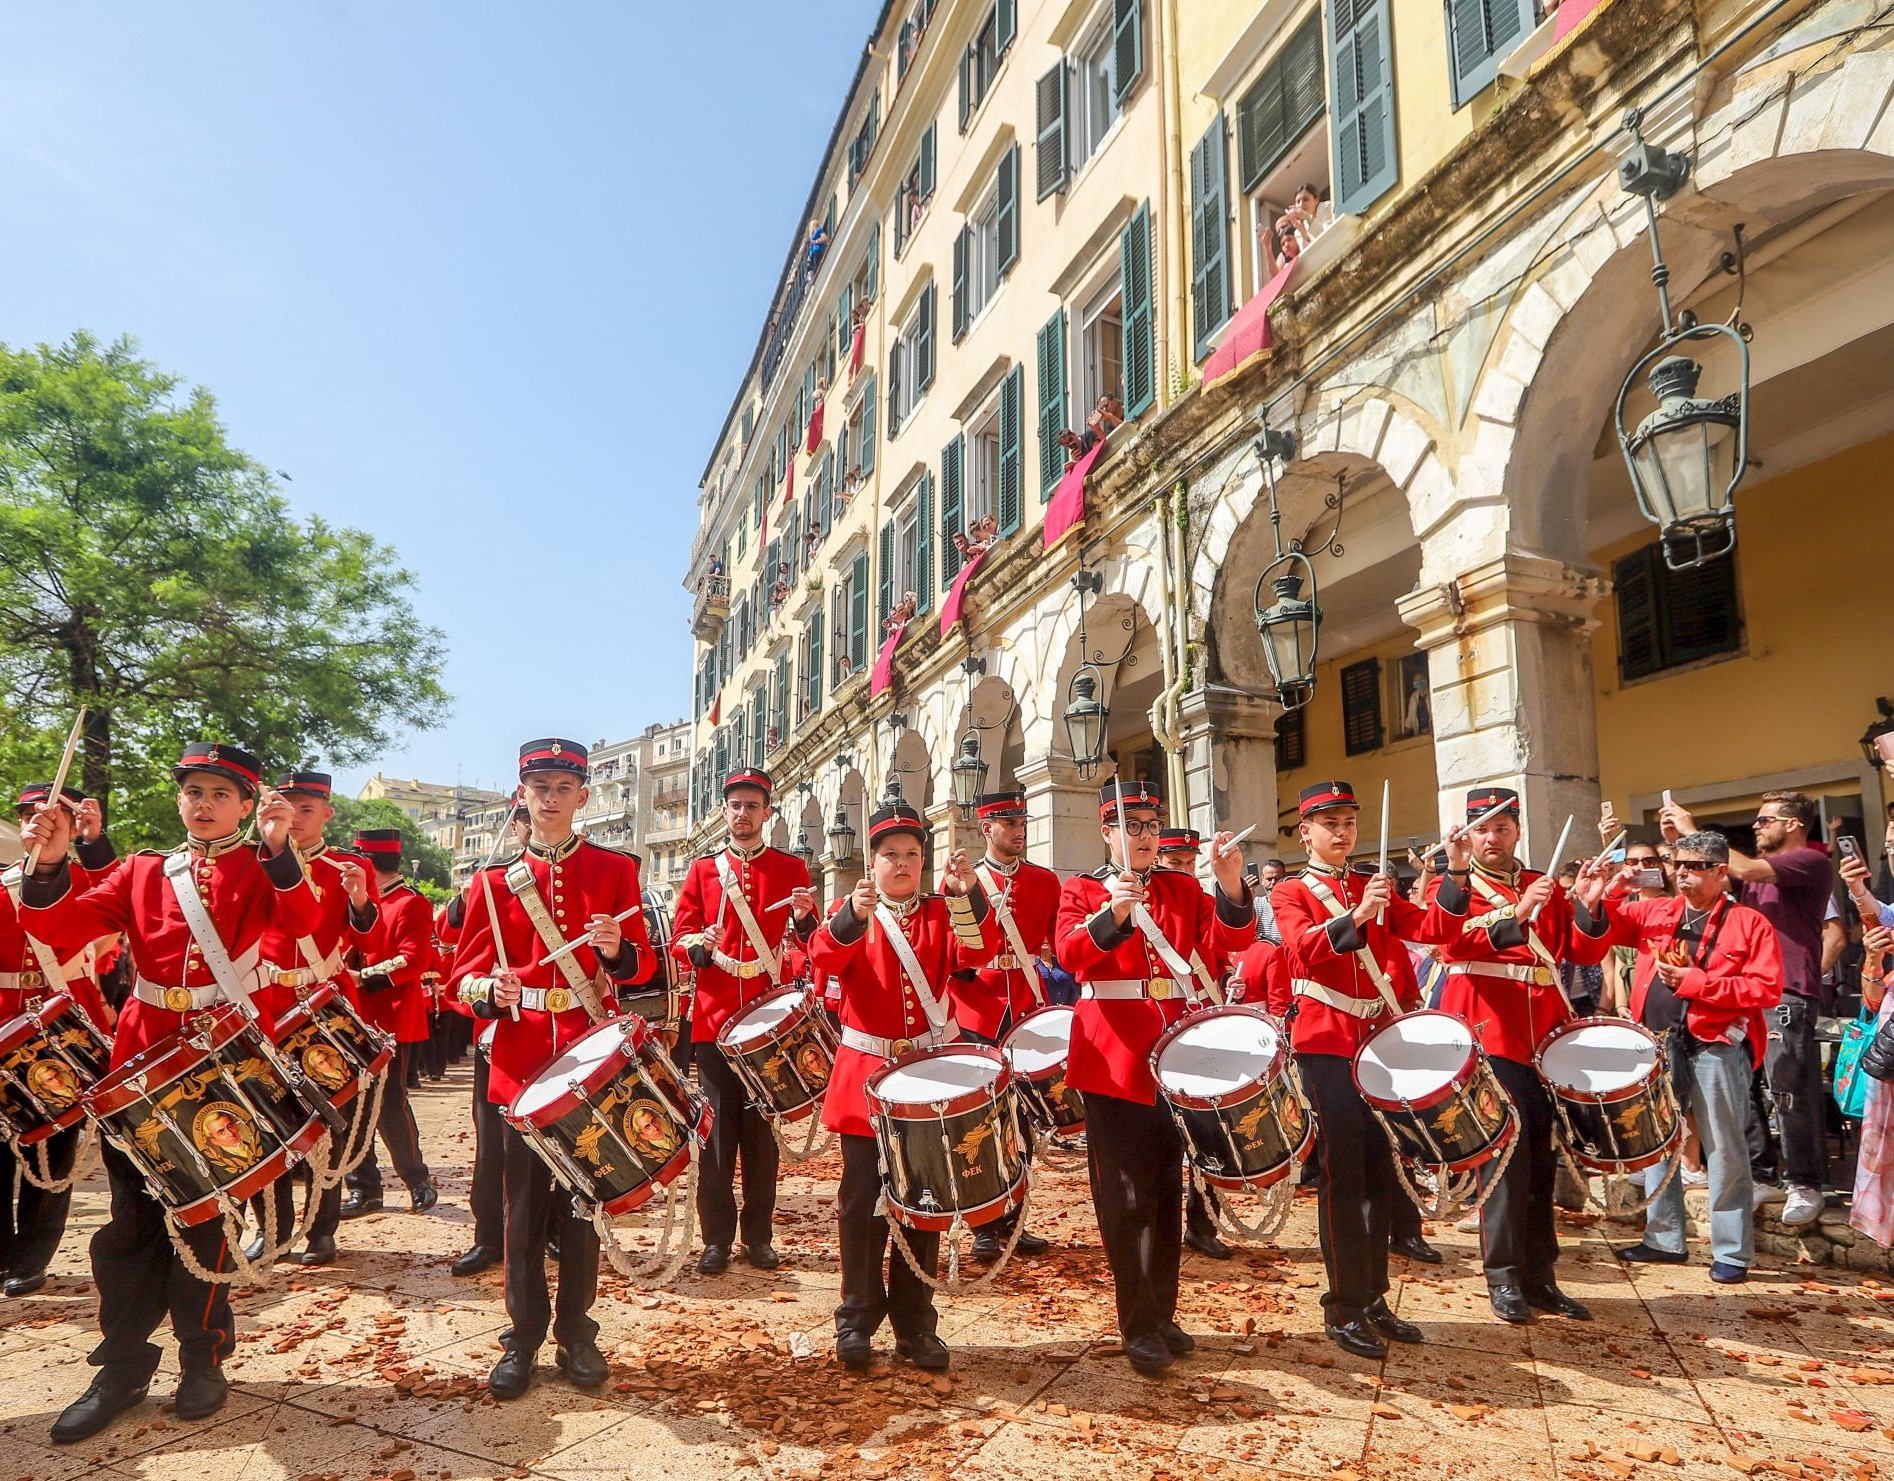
712	610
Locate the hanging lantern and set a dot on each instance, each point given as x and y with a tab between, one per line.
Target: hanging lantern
803	849
1290	629
841	837
969	773
1687	457
1085	722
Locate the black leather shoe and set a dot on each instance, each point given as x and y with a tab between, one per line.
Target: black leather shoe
319	1251
1356	1335
511	1376
1209	1244
714	1260
1177	1339
253	1251
988	1247
1415	1248
1031	1244
552	1248
98	1406
925	1351
1550	1299
201	1393
425	1196
854	1350
480	1257
1148	1354
1646	1254
583	1364
357	1204
762	1256
1391	1326
24	1285
1509	1305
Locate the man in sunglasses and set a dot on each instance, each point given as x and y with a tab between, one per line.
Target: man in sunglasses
1789	881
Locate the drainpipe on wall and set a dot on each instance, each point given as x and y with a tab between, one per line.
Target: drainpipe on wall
1174	643
1172	206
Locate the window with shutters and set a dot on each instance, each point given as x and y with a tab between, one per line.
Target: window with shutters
1361	101
1281	151
1292	743
1099	348
981	498
863	144
1209	237
980	62
1139	333
857	455
1093	93
1479	35
913	28
911	363
978	268
1361	707
1012	448
1667	619
917	189
809	667
1127	25
1052	403
910	553
953	484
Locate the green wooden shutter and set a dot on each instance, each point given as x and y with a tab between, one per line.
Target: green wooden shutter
813	681
1007	225
1005	26
924	545
865	454
858	611
895	368
779	701
1051	403
953	458
1479	34
962	243
924	343
1051	93
884	574
1012	395
845	320
926	170
1209	237
966	86
1128	46
1140	342
1362	121
1285	100
904	51
873	286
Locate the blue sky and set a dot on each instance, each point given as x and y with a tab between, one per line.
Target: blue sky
480	277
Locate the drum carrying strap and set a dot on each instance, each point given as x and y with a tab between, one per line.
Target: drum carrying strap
519	879
1539	949
228	974
55	971
734	897
1186	972
934	1007
1326	897
998	890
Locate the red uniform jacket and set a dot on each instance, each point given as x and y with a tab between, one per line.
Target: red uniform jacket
1508	1016
405	929
585	879
982	999
1262	978
765	879
93	862
1321	949
876	996
335	933
1734	982
244	891
1112	1040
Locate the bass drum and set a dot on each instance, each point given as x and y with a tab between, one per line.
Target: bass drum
1036	1050
1614	1102
1439	1098
948	1124
49	1057
1225	1074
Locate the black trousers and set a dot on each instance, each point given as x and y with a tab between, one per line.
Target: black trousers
738	1133
1356	1194
1793	1061
140	1279
399	1134
1136	1159
32	1220
488	1198
285	1191
1518	1240
432	1051
531	1199
904	1299
1404	1215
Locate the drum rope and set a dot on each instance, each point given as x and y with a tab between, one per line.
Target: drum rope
361	1133
817	1140
667	1261
1055	1154
1449	1199
1673	1165
244	1270
1278	1197
37	1168
952	1285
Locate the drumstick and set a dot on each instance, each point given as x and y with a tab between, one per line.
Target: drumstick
586	939
1558	852
1383	868
1118	805
499	945
1230	847
59	783
1493	811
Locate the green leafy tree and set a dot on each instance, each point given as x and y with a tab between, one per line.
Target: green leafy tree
152	572
425	862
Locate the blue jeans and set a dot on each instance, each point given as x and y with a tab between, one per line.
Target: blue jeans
1712	1085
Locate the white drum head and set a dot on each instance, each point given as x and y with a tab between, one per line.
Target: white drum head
579	1061
1600	1058
1217	1055
760	1020
939	1077
1413	1057
1041	1042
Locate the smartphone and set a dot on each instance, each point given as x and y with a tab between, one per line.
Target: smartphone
1849	848
1668	801
1648	879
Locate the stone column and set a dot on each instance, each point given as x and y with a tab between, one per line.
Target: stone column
1062	816
1230	766
1508	645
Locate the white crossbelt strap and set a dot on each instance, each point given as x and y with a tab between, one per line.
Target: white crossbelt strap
1539	949
1180	969
519	879
232	977
935	1008
733	896
1326	898
998	891
56	972
1341	1002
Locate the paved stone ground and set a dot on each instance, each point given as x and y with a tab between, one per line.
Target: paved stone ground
372	1369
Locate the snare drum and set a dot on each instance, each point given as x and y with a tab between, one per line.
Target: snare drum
656	1002
1036	1050
333	1045
612	1116
1438	1096
203	1112
49	1057
948	1123
1224	1072
1614	1101
783	1051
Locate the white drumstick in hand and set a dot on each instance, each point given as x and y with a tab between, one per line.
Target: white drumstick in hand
586	939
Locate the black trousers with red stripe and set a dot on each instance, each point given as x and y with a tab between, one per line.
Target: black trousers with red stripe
1519	1239
141	1279
1357	1191
1136	1159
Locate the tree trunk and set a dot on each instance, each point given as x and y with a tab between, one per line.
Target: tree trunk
95	737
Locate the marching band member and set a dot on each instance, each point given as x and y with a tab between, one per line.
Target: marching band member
562	887
213	882
1503	980
32	1218
294	966
728	931
1127	932
1348	974
392	998
989	1001
890	950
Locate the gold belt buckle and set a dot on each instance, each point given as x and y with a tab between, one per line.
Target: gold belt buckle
558	999
288	977
31	980
900	1048
178	999
1542	976
1159	988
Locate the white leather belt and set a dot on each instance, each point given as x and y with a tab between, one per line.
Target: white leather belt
549	999
1121	988
1341	1002
1536	973
867	1043
176	999
1007	963
742	970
